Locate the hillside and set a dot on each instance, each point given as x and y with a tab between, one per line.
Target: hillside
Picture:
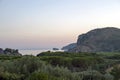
99	40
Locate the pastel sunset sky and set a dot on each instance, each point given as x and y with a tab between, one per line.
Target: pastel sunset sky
53	23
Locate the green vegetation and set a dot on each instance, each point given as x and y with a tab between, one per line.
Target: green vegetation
60	66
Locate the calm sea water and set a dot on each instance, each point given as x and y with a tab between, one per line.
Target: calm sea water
32	52
35	52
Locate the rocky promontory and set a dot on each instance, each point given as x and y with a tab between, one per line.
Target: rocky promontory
99	40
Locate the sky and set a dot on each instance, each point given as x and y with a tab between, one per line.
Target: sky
53	23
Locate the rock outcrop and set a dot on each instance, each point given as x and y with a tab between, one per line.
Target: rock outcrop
9	51
55	49
70	46
1	51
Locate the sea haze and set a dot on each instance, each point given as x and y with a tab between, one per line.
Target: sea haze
32	51
35	51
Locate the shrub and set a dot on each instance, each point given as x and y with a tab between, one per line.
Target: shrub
38	76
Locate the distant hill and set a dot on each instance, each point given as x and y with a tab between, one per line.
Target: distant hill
99	40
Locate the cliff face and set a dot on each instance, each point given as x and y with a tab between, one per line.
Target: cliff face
99	40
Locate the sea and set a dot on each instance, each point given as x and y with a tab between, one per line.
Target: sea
34	52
